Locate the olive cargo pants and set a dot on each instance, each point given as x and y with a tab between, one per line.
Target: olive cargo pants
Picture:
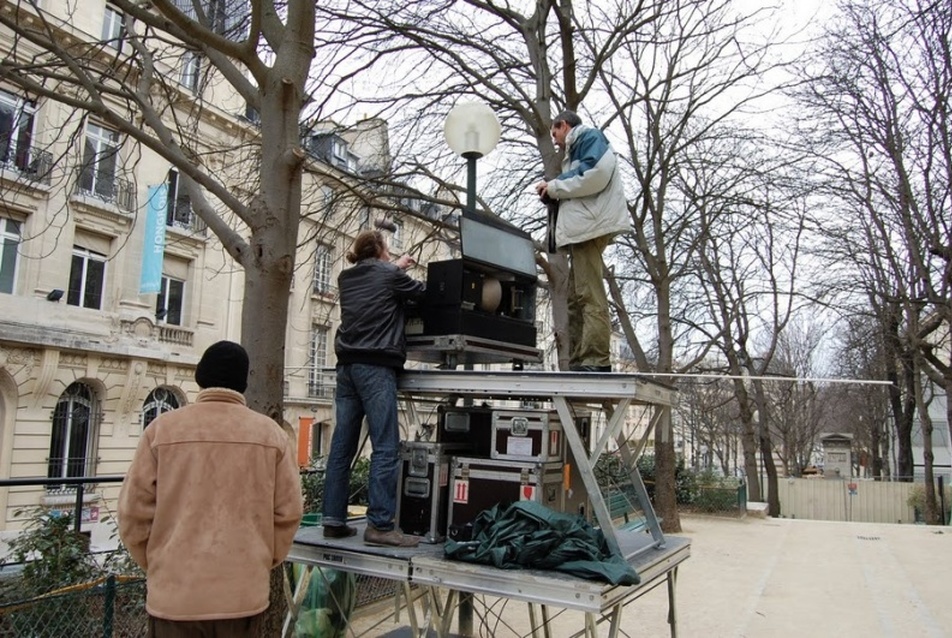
590	329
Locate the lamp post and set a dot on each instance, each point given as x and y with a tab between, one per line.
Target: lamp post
471	130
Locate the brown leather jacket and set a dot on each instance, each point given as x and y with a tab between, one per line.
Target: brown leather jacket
209	506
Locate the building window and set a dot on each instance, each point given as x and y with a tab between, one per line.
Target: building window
100	156
75	421
317	386
87	278
225	17
191	70
329	200
340	157
113	29
179	208
9	244
16	130
396	242
168	305
317	439
323	260
251	115
159	401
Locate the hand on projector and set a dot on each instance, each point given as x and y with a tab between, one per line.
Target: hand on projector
405	261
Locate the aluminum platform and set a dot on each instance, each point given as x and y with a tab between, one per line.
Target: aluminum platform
427	568
576	386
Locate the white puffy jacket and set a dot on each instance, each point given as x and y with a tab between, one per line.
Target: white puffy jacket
590	191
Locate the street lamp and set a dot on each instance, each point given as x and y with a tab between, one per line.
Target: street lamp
471	130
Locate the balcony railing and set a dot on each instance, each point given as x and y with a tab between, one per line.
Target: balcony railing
320	390
323	289
72	467
32	165
107	187
180	215
175	335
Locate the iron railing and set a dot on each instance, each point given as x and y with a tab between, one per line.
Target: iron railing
33	165
107	187
79	481
181	216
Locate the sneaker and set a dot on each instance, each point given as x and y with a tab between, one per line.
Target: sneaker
391	538
339	531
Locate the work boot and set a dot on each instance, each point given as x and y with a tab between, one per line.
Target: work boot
391	538
339	531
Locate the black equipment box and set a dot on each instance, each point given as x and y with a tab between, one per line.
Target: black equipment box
458	302
467	426
422	497
478	484
527	435
489	293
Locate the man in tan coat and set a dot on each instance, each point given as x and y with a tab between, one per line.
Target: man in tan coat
210	505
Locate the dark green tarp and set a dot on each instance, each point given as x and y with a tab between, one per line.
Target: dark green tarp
529	535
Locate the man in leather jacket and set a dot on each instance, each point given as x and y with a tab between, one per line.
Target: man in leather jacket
371	350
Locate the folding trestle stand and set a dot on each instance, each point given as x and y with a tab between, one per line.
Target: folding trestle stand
436	584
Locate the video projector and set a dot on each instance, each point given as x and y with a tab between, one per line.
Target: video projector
481	307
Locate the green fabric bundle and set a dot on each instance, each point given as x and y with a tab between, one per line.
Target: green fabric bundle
529	535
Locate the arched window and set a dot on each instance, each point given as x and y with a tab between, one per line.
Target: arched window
75	426
158	402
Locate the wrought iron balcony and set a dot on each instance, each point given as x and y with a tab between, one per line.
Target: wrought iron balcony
320	389
181	216
107	187
33	165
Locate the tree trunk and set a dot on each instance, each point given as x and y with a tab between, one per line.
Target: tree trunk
875	446
770	468
666	463
558	272
930	513
749	448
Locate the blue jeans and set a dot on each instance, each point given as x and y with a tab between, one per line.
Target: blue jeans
371	391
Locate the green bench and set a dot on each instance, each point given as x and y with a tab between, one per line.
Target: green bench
621	507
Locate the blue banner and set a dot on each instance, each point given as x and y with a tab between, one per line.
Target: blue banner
153	248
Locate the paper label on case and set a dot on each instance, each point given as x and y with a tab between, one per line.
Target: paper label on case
519	446
461	491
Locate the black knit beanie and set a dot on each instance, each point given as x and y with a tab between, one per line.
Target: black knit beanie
224	365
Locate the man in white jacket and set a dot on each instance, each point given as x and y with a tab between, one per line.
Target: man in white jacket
592	210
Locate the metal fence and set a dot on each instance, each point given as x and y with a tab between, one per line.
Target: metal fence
721	500
114	607
110	607
861	500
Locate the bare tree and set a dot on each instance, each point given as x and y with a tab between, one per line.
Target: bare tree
707	414
680	94
863	409
749	273
800	404
256	55
879	89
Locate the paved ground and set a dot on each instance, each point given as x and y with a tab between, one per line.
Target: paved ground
778	578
